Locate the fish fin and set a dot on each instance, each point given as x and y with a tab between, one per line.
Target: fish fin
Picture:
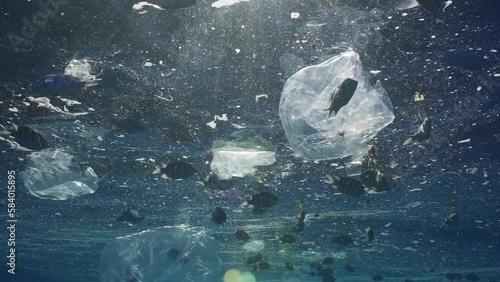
164	176
91	83
329	179
409	140
4	132
157	170
407	4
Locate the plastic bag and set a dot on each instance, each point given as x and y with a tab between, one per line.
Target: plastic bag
307	94
162	254
241	156
52	174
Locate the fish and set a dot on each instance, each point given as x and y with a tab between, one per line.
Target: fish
341	95
374	178
63	84
471	276
344	240
263	265
288	239
369	233
213	182
27	137
423	132
328	261
349	268
176	170
130	216
219	215
262	201
242	235
300	225
453	276
289	266
254	259
429	5
452	219
347	185
377	277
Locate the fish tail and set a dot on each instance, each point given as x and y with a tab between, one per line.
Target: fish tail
329	179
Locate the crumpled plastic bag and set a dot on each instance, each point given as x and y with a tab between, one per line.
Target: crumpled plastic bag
307	94
162	254
52	174
241	156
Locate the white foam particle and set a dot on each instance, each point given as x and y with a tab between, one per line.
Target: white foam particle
464	141
294	15
375	71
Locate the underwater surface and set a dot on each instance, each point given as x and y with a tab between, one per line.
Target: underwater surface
184	140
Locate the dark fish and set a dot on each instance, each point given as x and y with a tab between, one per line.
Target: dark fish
300	218
219	215
452	219
288	239
255	259
27	137
344	240
289	266
262	201
328	261
347	185
342	95
369	233
178	256
378	277
374	178
408	280
242	235
472	277
62	84
264	265
175	170
130	216
349	268
423	132
213	182
453	276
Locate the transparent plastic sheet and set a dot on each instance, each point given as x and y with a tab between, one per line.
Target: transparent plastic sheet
307	94
52	174
241	156
162	254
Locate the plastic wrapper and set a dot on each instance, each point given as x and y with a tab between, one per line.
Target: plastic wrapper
241	156
162	254
306	95
52	174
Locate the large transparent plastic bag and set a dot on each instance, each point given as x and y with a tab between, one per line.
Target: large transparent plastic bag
52	174
164	254
242	155
306	95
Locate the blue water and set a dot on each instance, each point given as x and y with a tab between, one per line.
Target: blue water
451	56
